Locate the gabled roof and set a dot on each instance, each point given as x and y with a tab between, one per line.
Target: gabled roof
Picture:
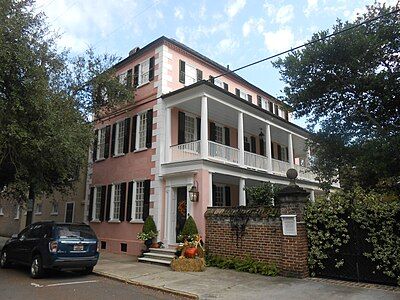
200	56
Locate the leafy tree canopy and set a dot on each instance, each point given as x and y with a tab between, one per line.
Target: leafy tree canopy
348	87
46	101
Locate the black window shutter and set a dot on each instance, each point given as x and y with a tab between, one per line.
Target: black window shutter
133	133
127	134
272	150
227	196
136	76
102	202
271	107
259	101
249	98
181	71
146	199
149	128
214	191
151	68
253	144
287	154
198	128
246	145
226	87
114	130
181	127
122	207
276	109
213	133
95	141
107	142
129	202
129	78
262	148
286	115
279	152
237	92
108	206
91	204
199	74
227	137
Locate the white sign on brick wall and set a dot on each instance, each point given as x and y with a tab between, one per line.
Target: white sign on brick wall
289	225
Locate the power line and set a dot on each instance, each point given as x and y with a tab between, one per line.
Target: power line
306	44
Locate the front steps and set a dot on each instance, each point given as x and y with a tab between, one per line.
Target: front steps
159	256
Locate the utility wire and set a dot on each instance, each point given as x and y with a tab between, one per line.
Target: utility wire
307	44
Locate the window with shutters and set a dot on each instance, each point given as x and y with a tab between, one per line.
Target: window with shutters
141	130
219	83
116	201
190	128
219	195
144	72
101	143
122	78
264	103
38	209
54	209
120	135
97	203
219	134
190	74
138	200
248	146
284	153
17	211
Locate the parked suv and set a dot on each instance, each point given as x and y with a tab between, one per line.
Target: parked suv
51	245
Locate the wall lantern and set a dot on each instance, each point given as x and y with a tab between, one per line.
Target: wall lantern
261	135
194	193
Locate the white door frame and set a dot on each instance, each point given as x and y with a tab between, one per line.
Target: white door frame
73	211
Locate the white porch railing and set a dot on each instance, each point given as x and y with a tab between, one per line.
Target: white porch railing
304	173
223	152
279	166
186	151
255	160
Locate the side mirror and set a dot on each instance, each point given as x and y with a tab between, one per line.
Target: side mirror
14	236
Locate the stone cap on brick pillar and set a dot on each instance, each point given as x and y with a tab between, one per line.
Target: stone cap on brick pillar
292	198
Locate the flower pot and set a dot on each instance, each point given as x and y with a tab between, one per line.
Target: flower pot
191	252
148	243
155	245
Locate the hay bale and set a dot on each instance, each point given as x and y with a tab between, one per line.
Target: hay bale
183	264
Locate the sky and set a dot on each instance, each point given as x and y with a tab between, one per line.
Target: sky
234	32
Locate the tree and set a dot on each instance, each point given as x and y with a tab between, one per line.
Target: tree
348	85
44	106
262	195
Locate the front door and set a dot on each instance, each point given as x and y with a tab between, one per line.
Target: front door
181	208
69	212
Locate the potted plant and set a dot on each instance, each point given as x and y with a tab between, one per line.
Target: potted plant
149	232
190	238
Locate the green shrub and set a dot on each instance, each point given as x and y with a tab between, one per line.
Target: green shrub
247	264
262	195
190	228
149	225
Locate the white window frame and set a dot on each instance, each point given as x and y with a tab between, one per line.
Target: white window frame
54	212
190	78
138	131
144	72
264	103
73	211
96	204
223	133
220	186
284	153
244	95
134	200
118	146
101	144
1	211
195	137
219	83
248	137
122	78
281	112
17	212
38	209
112	204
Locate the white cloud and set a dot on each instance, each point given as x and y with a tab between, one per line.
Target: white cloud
251	24
178	13
227	45
312	6
284	14
180	34
280	40
235	7
202	11
269	8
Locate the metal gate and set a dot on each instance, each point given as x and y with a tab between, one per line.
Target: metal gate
356	267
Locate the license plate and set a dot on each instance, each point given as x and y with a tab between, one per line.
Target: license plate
78	247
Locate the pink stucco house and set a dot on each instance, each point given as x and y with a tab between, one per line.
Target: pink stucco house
185	130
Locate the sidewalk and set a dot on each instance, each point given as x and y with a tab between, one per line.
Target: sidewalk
228	284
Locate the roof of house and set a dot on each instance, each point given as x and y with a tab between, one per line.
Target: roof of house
222	68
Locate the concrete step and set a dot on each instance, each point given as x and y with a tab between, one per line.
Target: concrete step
159	255
154	260
163	250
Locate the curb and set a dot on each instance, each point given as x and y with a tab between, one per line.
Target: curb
147	286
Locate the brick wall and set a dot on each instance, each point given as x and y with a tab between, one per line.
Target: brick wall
263	240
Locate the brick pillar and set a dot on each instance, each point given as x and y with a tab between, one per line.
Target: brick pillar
291	201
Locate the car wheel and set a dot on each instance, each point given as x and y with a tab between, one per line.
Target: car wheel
4	261
87	271
37	267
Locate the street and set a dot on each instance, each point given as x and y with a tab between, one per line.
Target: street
15	283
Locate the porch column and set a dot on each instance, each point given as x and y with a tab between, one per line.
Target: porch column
290	149
242	192
210	193
312	196
268	147
240	139
168	135
204	128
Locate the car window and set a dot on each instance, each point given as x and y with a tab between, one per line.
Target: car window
35	232
68	231
23	233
